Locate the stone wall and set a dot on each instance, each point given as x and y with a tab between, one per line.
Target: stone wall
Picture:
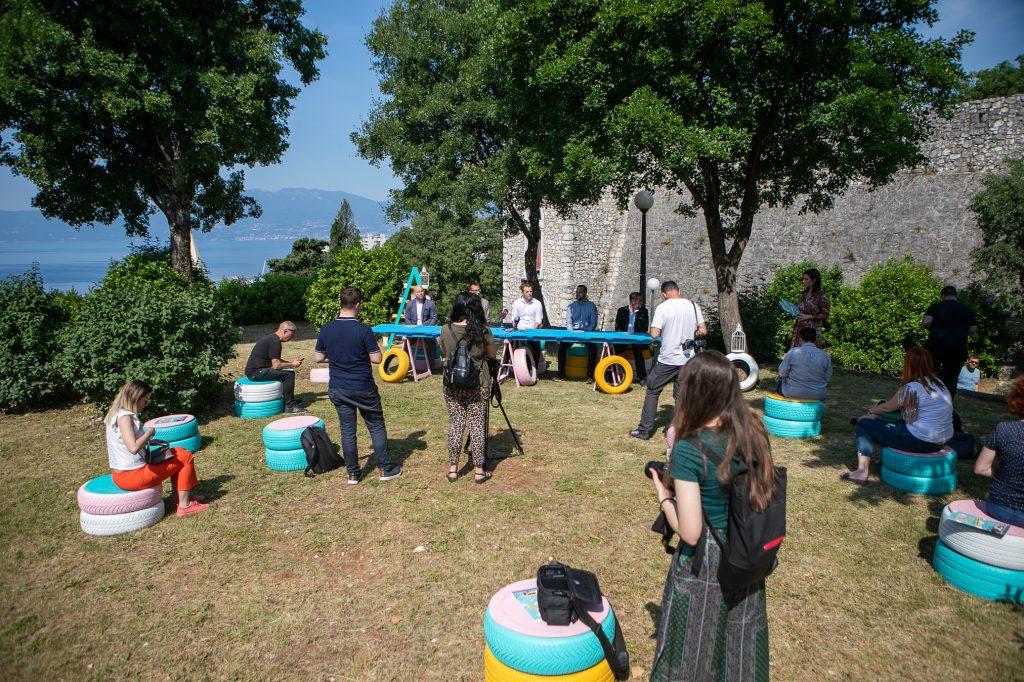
922	212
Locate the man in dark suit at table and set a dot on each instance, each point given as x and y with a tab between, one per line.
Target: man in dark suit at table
420	310
634	319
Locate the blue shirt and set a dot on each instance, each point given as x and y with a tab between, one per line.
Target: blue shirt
968	379
581	316
632	321
347	343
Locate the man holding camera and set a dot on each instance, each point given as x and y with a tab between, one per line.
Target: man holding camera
677	322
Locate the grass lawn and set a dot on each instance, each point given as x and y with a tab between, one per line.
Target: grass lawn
295	578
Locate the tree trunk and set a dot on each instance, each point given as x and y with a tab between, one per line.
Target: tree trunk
531	230
180	224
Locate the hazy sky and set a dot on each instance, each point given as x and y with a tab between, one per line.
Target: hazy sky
322	157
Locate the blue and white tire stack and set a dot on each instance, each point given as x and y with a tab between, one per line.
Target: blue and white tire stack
792	418
977	562
932	473
520	646
282	445
258	399
109	510
180	430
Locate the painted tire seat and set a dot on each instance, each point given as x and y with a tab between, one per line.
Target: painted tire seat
527	644
793	409
522	365
193	444
924	465
921	485
102	497
745	363
496	671
174	426
259	410
977	578
1005	552
249	391
118	524
284	434
783	428
285	460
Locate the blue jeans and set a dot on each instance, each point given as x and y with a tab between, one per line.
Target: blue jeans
1004	513
368	404
889	434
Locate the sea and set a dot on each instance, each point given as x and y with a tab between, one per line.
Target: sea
79	262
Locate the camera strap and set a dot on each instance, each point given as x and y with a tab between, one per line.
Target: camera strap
615	651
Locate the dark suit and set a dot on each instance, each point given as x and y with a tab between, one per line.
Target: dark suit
641	323
429	318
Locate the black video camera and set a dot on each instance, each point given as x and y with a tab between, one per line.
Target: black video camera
697	345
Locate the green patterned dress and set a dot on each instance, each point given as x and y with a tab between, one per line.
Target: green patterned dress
703	634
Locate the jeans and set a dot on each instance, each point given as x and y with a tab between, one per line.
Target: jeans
657	380
287	380
346	402
889	434
1004	514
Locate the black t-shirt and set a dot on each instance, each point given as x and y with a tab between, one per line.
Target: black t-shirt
950	321
347	342
267	348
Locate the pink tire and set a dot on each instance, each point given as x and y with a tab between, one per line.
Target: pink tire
319	375
102	497
522	365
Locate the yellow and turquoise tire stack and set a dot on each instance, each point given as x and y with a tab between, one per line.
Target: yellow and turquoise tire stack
792	417
520	647
576	361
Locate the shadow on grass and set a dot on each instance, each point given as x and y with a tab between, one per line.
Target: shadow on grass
654	611
213	488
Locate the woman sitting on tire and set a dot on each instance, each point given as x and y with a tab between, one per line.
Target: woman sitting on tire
724	632
467	406
1002	460
126	441
927	416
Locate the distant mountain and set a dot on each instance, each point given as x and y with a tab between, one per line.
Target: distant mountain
287	214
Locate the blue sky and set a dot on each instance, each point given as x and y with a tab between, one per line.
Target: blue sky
322	157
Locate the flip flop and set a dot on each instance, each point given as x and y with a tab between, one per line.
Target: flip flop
481	478
452	476
849	479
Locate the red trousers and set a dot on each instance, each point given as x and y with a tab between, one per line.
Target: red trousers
178	467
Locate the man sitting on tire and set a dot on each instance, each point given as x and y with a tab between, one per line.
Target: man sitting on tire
265	364
806	370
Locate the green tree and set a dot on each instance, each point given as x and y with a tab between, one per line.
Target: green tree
999	210
735	104
459	253
1001	80
120	107
344	232
379	273
306	258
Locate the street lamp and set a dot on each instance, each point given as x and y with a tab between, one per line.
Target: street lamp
643	200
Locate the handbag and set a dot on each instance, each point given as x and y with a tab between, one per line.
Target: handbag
156	451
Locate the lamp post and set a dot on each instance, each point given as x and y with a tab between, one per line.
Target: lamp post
643	200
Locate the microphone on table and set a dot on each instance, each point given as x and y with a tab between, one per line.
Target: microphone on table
504	314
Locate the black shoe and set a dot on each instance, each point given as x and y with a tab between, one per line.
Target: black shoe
390	473
293	409
353	479
642	435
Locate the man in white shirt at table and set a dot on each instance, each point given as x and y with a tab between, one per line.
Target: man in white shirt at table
528	313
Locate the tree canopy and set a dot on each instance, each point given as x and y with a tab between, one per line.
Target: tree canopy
1002	80
999	209
344	232
120	107
307	257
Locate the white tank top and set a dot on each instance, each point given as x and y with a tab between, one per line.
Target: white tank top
118	455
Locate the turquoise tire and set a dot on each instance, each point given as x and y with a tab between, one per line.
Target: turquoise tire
922	467
922	485
783	428
793	411
177	431
577	350
546	655
193	444
977	578
285	439
285	460
260	410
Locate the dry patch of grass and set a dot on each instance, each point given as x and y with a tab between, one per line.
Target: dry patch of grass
292	578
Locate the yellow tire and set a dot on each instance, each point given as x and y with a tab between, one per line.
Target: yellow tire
401	368
625	374
496	671
576	372
779	396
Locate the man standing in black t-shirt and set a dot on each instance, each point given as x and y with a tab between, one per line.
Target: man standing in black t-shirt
949	322
349	348
265	364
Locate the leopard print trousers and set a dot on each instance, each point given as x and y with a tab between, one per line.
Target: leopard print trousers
467	408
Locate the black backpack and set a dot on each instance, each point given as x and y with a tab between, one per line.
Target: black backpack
321	454
754	537
460	373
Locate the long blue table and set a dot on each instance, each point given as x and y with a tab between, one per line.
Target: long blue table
434	331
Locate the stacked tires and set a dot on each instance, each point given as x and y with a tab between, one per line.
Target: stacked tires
791	417
258	399
520	647
932	473
282	447
977	562
108	510
180	430
576	361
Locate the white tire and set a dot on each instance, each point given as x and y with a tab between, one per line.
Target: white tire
258	392
118	524
1005	552
745	364
522	365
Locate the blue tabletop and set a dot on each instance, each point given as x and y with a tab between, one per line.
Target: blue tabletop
433	331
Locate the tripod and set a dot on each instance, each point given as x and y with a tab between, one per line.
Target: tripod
495	401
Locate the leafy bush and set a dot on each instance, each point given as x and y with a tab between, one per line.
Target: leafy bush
29	320
873	322
307	256
379	273
273	299
142	323
151	263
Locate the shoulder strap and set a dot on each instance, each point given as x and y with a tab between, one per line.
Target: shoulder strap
614	652
698	557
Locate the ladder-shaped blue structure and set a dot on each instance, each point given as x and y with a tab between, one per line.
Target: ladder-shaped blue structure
414	279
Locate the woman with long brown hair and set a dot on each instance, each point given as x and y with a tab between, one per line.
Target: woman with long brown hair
704	632
812	307
927	409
